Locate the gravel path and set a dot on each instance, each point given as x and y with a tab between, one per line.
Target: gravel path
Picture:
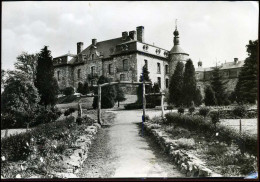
121	150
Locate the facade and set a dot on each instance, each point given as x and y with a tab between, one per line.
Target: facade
119	59
229	71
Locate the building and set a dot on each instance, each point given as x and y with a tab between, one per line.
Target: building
121	58
228	70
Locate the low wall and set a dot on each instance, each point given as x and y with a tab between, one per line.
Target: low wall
187	163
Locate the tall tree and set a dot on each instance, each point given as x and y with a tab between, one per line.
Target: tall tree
210	99
108	94
120	96
175	86
27	63
246	88
198	98
189	84
19	99
45	81
217	84
143	77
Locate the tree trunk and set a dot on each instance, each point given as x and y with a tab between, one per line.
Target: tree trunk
118	104
240	126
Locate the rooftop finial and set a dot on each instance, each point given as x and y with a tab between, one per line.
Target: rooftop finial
175	24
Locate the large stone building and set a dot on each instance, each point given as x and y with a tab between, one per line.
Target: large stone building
228	70
121	58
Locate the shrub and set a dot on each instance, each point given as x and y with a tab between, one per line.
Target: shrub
79	121
69	111
180	110
16	147
215	117
239	111
170	107
138	106
191	109
216	149
46	115
68	91
203	111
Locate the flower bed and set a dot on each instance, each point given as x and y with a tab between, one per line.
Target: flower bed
48	150
203	152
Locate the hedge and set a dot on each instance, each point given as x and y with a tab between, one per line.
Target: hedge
245	142
138	106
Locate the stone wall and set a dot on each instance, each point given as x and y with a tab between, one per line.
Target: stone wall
186	162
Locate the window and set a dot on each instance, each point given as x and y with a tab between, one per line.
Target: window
158	68
145	63
92	70
92	56
125	65
58	75
79	73
166	69
110	69
122	77
166	82
159	81
93	82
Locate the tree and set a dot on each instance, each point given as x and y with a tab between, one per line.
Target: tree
68	91
19	99
217	85
189	84
175	86
27	63
144	77
120	96
246	88
85	89
198	98
108	94
80	88
203	111
210	99
45	81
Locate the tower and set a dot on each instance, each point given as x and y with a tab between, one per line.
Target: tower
176	54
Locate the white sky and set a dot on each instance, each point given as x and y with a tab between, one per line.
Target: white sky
209	31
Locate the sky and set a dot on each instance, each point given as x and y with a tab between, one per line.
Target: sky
209	31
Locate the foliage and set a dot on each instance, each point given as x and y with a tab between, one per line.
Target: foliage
154	100
120	96
218	87
69	111
210	99
215	117
203	111
138	106
189	84
143	78
198	97
27	63
68	91
16	147
80	88
19	100
239	111
246	88
175	86
45	82
181	110
191	109
46	115
108	94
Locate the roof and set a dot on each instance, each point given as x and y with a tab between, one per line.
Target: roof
103	47
177	50
68	54
223	66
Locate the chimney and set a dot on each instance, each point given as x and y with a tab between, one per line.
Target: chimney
94	42
79	47
132	34
124	35
140	33
235	60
